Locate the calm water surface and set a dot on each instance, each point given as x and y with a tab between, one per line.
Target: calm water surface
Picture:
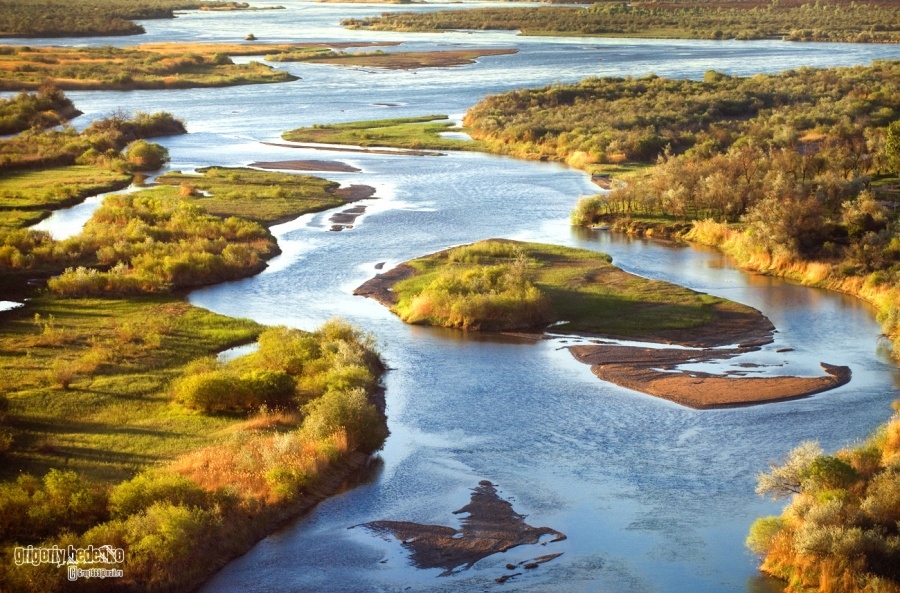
653	496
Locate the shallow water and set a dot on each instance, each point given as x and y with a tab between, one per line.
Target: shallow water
653	496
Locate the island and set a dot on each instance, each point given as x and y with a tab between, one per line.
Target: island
502	285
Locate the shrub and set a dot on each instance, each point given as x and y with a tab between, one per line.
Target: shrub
349	410
211	391
151	487
146	156
762	533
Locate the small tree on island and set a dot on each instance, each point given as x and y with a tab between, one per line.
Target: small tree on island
146	156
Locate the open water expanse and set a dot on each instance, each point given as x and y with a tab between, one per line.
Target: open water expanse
653	497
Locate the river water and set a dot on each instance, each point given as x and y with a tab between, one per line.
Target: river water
652	496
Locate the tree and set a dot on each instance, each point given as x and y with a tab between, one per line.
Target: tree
146	156
786	479
892	147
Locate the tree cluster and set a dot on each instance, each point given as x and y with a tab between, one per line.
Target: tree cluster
841	531
45	109
86	18
831	21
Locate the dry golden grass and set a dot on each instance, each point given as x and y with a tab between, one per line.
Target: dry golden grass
249	463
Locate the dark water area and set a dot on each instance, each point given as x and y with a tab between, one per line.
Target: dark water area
652	496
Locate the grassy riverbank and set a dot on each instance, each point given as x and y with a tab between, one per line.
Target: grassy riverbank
118	426
792	21
164	66
261	196
413	133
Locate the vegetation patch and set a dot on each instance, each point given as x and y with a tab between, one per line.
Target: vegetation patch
166	66
790	20
407	132
45	109
91	18
115	432
839	532
118	425
42	190
262	196
98	144
499	284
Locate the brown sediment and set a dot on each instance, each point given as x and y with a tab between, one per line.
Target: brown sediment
491	527
394	151
411	60
346	219
653	371
353	193
308	165
379	287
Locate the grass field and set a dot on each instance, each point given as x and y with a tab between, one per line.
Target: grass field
262	196
586	293
408	132
27	195
86	380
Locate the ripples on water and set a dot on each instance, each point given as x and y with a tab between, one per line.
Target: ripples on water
653	496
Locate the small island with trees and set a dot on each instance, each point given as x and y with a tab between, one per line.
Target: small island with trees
503	285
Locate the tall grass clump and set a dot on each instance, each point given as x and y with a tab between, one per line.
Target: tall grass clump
485	286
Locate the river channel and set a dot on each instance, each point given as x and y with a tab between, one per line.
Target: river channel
652	496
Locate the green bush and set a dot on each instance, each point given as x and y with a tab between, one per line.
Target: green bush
211	391
146	156
149	488
350	410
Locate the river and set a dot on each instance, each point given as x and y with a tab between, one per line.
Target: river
652	496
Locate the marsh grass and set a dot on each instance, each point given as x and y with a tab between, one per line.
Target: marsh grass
582	289
262	196
160	66
412	133
112	416
49	189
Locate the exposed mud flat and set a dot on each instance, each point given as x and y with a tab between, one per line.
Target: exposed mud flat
653	371
307	165
347	218
491	527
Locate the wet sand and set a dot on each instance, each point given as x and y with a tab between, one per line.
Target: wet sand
307	165
491	527
653	371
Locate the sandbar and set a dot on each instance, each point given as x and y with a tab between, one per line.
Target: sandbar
491	527
306	165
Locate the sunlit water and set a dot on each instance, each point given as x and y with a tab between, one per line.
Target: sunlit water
653	496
